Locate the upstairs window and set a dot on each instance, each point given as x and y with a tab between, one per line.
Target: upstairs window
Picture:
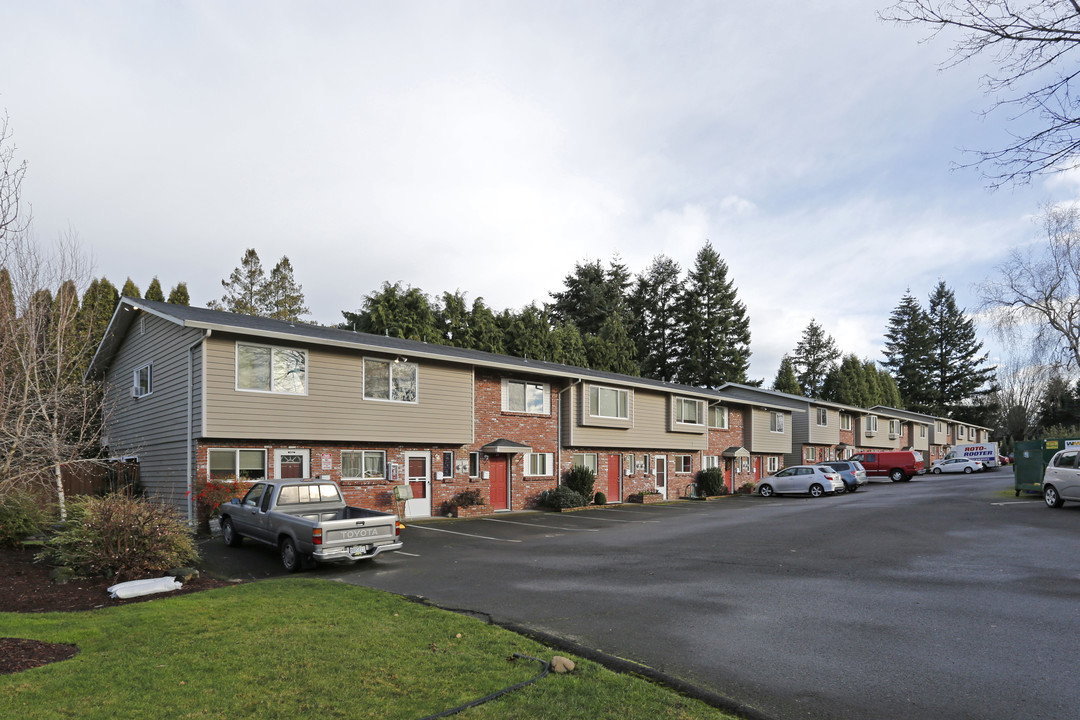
395	381
822	417
894	427
525	397
845	421
609	402
776	422
688	412
271	369
718	417
143	381
871	423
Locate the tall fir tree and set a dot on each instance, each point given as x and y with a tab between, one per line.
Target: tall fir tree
396	311
1059	405
785	381
958	372
909	354
484	331
245	289
527	333
847	383
179	295
130	289
452	319
713	337
282	296
654	304
611	349
96	309
567	346
154	292
814	357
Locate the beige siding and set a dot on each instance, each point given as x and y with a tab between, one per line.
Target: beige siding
764	440
878	439
829	434
583	402
153	427
649	427
334	408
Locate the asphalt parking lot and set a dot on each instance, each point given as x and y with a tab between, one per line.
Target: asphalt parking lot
942	597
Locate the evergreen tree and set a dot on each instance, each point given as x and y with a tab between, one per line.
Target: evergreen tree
154	292
786	381
909	354
591	295
452	320
99	302
611	350
815	356
567	346
179	295
245	290
484	331
130	289
282	296
396	312
958	372
847	384
654	305
890	393
1059	406
713	337
527	333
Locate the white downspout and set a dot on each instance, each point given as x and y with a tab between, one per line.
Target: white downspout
191	429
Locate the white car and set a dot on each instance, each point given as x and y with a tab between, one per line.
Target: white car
956	465
814	480
1061	479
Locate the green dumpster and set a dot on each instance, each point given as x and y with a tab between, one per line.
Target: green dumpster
1031	459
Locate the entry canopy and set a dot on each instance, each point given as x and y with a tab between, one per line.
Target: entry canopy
736	452
502	446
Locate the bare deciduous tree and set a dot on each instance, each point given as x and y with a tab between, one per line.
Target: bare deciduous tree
1029	42
1035	293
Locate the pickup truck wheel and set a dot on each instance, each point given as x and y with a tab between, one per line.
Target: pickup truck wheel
229	534
897	475
290	556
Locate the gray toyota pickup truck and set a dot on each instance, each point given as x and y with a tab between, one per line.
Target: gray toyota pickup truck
308	521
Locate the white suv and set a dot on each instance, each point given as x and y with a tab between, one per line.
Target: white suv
1061	481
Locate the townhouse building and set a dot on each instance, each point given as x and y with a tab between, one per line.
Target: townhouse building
198	395
934	436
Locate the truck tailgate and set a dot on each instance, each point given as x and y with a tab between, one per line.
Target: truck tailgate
359	534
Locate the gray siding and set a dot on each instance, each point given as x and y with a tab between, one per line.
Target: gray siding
334	408
648	428
765	441
153	427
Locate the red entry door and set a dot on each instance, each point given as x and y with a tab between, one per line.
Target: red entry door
613	476
727	474
500	495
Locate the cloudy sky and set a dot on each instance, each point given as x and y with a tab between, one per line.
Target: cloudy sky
488	146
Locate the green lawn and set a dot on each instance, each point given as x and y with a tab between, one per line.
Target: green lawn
304	648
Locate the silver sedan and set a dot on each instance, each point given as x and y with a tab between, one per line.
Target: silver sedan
813	480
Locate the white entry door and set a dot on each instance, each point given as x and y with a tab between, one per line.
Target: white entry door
660	473
418	477
292	463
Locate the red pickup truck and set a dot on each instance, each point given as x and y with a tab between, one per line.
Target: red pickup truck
897	465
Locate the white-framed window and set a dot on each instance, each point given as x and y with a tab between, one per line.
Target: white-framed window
871	423
894	427
609	402
744	465
939	427
230	464
523	396
394	381
959	431
538	464
922	431
628	463
684	463
808	455
823	417
474	464
143	381
585	460
689	412
448	464
718	417
845	421
265	368
776	421
772	464
712	461
366	464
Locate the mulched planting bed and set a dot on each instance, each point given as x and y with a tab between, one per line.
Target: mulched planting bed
26	587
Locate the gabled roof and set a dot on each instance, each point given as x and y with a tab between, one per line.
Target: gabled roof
788	400
928	418
267	329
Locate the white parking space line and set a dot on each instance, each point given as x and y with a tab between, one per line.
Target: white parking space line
537	525
1029	503
399	552
451	532
572	516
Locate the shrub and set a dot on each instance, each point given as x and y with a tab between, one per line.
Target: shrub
22	514
564	497
747	487
580	479
711	482
122	537
214	493
466	498
600	499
